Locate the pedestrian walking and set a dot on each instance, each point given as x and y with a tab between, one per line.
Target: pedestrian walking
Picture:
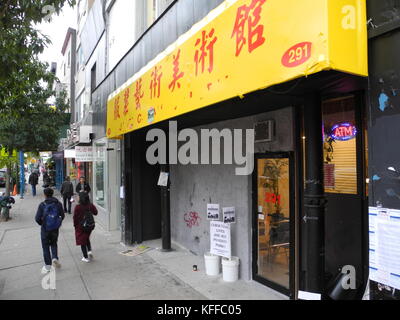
49	216
82	186
84	225
67	191
46	179
33	181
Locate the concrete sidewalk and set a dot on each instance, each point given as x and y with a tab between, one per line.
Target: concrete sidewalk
151	275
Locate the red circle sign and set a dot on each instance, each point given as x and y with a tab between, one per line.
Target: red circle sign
297	55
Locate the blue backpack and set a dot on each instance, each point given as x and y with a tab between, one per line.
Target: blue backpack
52	220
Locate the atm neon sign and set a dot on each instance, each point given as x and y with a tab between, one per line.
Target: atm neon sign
343	132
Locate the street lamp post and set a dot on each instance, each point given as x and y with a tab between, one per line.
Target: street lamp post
22	173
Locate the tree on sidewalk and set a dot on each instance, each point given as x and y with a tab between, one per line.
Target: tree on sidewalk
27	122
20	44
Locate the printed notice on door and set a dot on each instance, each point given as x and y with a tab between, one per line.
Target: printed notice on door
220	234
384	251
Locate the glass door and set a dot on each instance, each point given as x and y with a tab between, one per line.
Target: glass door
272	223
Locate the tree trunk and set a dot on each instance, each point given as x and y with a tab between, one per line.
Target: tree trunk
8	177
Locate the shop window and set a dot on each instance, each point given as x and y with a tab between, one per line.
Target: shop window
340	145
100	174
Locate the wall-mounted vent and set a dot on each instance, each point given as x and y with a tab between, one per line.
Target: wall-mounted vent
264	131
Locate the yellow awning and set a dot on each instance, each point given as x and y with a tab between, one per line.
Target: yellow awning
240	47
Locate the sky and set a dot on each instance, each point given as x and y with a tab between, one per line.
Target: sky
56	30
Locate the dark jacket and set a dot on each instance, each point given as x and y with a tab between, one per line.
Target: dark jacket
81	236
85	188
40	211
67	189
33	178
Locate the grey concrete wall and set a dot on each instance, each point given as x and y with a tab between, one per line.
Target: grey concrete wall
193	186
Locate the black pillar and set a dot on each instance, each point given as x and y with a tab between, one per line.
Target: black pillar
165	213
314	200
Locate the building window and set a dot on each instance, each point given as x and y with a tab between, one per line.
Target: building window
100	173
93	79
155	8
79	59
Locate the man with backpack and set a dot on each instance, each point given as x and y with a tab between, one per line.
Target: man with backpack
49	216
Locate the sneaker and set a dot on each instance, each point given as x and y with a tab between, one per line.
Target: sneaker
85	260
56	263
46	269
90	254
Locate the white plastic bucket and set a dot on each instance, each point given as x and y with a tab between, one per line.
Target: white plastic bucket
230	269
212	264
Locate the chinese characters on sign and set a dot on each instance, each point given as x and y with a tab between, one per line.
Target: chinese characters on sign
206	49
177	74
155	85
126	101
138	93
116	109
248	28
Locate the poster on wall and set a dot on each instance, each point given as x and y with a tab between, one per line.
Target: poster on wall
229	215
212	211
220	236
384	246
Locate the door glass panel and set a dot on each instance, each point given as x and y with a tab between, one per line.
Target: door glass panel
340	156
273	220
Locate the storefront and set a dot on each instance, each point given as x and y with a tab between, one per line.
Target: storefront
297	84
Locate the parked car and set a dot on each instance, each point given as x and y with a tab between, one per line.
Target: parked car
2	178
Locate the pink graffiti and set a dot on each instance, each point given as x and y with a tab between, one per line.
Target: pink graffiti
192	219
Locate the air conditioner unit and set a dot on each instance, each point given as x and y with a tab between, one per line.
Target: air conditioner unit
264	131
84	134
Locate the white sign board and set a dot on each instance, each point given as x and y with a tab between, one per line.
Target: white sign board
69	154
220	234
384	246
163	179
212	211
229	215
84	154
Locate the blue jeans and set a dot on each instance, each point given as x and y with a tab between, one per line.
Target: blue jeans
33	190
49	243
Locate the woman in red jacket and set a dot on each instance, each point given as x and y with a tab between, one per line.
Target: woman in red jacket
82	236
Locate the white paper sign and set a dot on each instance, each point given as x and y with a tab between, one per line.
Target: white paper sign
121	192
384	246
163	179
212	211
304	295
220	234
229	215
84	154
